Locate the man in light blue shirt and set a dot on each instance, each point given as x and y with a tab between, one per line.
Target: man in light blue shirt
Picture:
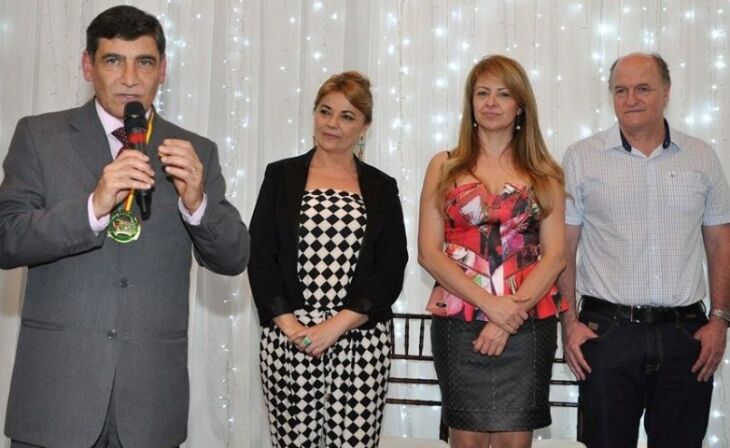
645	204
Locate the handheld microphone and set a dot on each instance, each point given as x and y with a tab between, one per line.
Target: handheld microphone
135	126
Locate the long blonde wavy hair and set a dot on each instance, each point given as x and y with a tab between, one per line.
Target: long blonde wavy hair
530	156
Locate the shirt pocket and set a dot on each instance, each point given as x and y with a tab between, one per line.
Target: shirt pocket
685	192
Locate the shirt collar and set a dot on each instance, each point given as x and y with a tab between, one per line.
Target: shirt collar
108	121
665	144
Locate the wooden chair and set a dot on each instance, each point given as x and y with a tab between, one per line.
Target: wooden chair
418	323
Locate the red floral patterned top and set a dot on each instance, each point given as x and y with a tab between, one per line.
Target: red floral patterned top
495	239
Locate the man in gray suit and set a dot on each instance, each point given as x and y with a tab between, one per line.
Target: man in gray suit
102	351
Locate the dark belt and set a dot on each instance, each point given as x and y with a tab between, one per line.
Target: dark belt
642	314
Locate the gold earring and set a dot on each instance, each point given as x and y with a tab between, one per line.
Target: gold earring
360	147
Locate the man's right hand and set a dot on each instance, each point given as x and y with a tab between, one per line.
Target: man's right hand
131	169
575	333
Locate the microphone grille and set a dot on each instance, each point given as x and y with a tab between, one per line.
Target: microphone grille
134	117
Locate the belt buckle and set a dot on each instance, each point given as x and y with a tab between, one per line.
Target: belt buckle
631	316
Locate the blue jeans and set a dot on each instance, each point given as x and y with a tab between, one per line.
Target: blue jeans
637	368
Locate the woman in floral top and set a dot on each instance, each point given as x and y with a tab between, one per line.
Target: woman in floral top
491	232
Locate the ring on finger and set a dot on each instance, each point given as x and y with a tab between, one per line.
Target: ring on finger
306	341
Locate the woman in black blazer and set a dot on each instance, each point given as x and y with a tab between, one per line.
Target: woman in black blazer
328	253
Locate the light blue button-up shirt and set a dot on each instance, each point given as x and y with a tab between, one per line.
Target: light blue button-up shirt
641	217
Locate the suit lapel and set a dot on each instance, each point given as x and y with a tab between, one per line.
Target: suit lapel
159	128
370	187
89	139
295	180
160	131
163	192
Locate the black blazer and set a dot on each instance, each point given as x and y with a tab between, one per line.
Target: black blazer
272	269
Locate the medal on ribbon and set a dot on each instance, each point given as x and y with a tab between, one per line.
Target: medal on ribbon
124	227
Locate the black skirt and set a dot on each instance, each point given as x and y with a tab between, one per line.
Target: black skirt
486	393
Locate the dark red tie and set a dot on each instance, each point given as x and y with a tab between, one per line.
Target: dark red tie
121	136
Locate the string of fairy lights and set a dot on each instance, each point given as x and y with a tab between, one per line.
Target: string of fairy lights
399	78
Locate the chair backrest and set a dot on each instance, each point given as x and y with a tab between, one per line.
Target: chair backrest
404	352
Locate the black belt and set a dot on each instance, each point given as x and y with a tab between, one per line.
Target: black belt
642	314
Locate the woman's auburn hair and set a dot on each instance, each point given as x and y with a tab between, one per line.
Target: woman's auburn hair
354	86
530	155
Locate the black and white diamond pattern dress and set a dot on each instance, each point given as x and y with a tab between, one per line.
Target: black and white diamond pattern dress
336	400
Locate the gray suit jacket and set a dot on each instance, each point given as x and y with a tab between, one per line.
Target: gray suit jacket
97	313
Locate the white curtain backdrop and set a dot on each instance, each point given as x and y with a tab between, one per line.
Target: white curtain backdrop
245	72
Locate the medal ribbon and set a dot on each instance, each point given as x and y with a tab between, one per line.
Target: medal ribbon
148	134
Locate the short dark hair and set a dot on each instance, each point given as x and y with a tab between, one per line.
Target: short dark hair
124	22
661	65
